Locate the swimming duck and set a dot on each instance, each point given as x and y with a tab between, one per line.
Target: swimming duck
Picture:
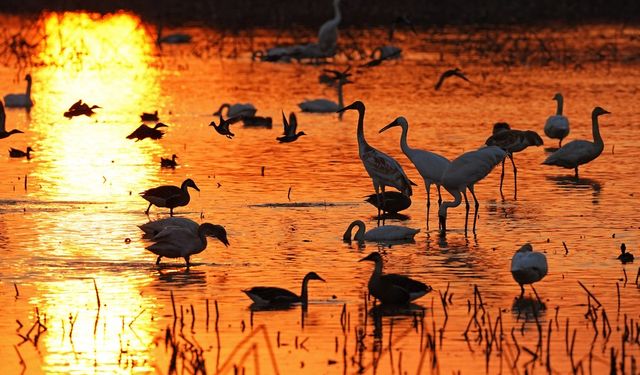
146	116
379	234
624	256
15	153
393	289
169	163
389	201
267	295
169	196
143	131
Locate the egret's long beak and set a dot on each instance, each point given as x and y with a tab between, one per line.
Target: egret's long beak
391	125
345	108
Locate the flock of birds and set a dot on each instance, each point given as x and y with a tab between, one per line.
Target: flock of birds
176	237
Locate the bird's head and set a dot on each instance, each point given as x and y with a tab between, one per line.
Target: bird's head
597	111
160	125
29	149
301	133
373	257
400	121
313	276
357	105
557	97
500	126
189	183
174	156
525	248
27	78
533	138
215	231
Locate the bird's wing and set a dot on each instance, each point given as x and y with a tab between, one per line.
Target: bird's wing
274	294
155	227
441	79
459	74
386	168
285	124
406	283
571	153
137	132
293	123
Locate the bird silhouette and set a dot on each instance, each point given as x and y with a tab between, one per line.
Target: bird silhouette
450	73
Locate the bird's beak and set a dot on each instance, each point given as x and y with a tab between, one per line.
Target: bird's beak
391	125
606	112
216	113
345	108
225	241
321	279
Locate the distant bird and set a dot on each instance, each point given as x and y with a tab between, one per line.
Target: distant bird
390	51
145	116
266	122
328	33
290	128
237	110
512	141
176	241
169	163
450	73
79	108
557	126
462	174
169	196
176	38
625	257
393	289
268	295
379	234
15	153
3	120
382	168
20	100
326	105
394	201
223	127
430	165
143	131
528	266
382	57
578	152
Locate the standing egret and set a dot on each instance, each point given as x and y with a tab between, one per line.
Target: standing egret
557	126
512	141
450	73
430	165
20	100
3	122
169	196
379	234
528	267
328	33
462	174
382	168
269	295
578	152
393	289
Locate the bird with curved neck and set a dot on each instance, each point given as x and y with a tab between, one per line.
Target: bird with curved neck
326	105
528	267
3	122
15	153
182	242
430	165
512	141
382	168
20	100
578	152
557	126
328	33
393	289
169	196
462	174
625	256
269	295
379	234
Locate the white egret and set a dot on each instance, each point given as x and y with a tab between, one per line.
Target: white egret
268	295
328	33
528	266
578	152
20	100
557	126
379	234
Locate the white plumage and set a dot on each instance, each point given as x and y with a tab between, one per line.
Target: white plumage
379	234
528	266
557	126
328	33
462	174
152	228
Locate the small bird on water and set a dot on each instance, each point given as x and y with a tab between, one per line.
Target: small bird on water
625	257
169	163
268	295
15	153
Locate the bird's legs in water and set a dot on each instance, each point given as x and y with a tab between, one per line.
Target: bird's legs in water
158	260
186	259
475	212
377	189
171	211
428	203
577	178
466	215
536	293
439	204
384	212
148	208
515	176
521	291
501	179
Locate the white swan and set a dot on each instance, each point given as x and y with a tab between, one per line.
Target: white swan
431	166
557	126
326	105
528	266
237	109
20	100
379	234
328	33
578	152
152	228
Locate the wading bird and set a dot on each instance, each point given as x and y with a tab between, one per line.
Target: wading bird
143	131
625	257
578	152
290	128
237	110
430	165
450	73
223	127
169	163
382	168
79	108
175	241
512	141
462	174
169	196
393	289
328	33
20	100
379	234
269	295
557	126
393	201
528	267
145	116
3	122
326	105
15	153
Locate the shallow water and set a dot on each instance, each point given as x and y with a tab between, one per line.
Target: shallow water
66	226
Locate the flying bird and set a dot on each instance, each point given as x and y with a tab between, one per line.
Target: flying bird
79	108
144	131
290	128
223	127
450	73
